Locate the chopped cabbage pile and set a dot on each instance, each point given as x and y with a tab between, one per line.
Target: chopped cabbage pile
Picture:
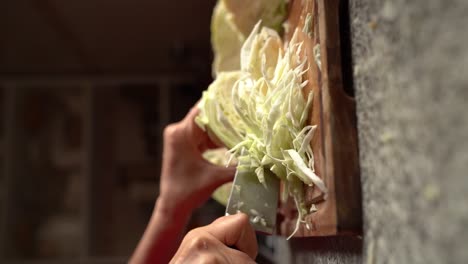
260	113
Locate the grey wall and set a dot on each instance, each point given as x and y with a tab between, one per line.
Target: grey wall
411	86
411	82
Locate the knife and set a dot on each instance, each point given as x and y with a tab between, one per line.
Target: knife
259	201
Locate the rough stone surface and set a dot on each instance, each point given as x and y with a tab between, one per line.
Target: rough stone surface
412	96
411	84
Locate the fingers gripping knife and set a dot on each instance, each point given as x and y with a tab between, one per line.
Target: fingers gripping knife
258	200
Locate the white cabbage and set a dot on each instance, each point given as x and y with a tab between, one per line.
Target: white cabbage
260	113
231	23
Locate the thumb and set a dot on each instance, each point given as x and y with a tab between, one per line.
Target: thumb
221	174
235	230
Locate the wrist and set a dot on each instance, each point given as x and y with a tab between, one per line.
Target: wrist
162	235
168	211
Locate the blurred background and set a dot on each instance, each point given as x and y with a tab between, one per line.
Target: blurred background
86	88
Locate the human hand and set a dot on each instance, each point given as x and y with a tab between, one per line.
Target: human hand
214	243
188	180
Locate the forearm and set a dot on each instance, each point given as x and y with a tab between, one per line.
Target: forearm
162	236
185	184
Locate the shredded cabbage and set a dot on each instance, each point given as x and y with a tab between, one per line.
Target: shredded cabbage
260	113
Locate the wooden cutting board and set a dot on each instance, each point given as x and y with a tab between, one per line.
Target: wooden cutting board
335	141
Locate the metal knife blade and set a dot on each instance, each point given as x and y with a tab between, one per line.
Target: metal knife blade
259	201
